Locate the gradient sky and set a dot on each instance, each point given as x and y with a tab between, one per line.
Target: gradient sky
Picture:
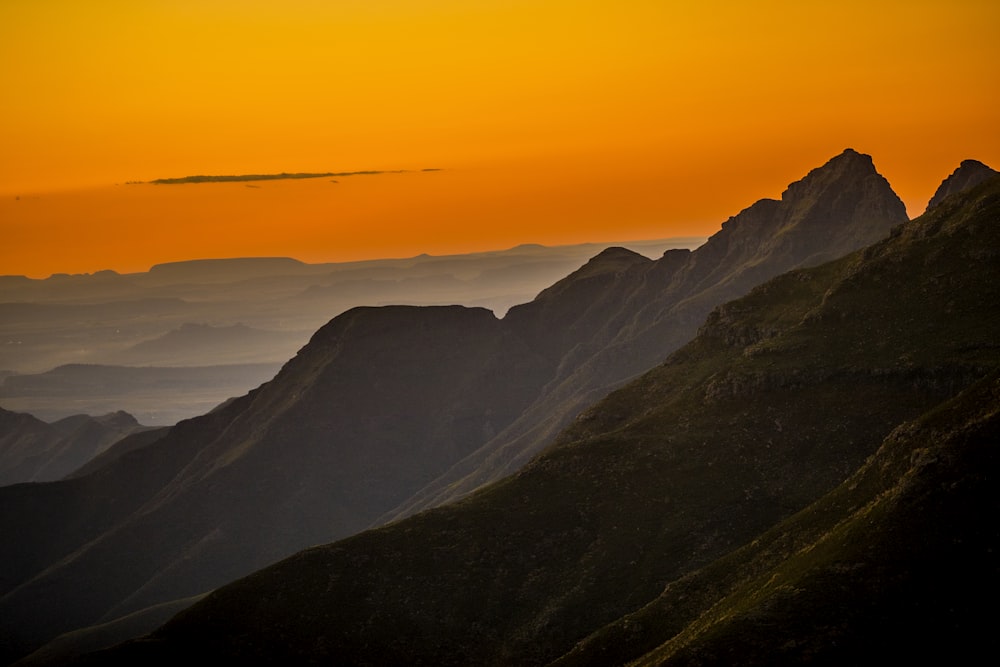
553	122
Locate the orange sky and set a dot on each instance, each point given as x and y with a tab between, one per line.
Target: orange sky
554	122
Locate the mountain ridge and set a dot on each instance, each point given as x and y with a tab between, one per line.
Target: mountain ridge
969	174
35	451
476	380
756	420
653	308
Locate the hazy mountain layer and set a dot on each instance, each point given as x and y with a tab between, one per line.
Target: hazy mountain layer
158	395
34	451
203	314
718	508
108	318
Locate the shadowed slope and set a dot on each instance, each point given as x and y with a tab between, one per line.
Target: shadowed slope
382	402
377	404
781	397
897	563
648	309
35	451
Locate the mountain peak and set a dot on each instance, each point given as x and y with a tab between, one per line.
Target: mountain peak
609	260
849	164
970	173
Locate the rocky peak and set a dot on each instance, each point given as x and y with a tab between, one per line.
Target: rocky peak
968	175
613	259
846	167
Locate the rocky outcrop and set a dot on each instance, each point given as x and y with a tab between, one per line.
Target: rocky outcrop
969	174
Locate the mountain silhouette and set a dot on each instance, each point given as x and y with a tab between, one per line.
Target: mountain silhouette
388	410
619	315
35	451
809	480
968	174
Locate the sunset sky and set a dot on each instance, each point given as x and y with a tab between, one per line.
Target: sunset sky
551	122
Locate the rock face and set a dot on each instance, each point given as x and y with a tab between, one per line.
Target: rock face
810	479
969	174
390	410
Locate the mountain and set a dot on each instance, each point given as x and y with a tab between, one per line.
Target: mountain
811	479
211	346
159	395
968	175
35	451
254	310
385	403
380	402
620	314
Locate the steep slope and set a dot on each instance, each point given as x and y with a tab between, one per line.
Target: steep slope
781	398
968	175
904	550
378	404
383	402
608	333
34	451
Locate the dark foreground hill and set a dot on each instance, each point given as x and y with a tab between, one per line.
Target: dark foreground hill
812	479
386	402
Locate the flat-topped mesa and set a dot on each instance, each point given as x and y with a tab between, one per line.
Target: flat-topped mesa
968	175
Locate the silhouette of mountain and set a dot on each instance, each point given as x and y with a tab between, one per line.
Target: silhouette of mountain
602	329
968	175
809	479
385	402
34	451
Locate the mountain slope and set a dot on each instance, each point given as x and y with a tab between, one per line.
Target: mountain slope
383	402
351	426
968	175
34	451
780	399
607	333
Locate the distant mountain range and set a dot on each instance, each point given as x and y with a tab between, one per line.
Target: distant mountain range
693	477
34	451
232	312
